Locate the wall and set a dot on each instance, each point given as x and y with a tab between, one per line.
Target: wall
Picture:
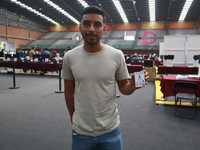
126	26
152	25
2	29
74	28
35	34
181	25
3	38
18	42
22	36
13	31
58	28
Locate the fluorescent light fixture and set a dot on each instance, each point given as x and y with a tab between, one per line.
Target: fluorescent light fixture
152	10
185	9
62	11
120	10
82	2
35	11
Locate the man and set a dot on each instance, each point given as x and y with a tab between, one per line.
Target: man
32	52
46	52
90	72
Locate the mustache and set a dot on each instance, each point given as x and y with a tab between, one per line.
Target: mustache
91	34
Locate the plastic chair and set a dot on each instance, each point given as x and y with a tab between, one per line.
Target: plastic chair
186	95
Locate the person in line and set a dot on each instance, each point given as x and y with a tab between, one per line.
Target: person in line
90	86
32	52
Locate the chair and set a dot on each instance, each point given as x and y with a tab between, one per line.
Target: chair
188	95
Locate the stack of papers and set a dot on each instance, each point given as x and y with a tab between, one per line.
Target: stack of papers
181	77
194	76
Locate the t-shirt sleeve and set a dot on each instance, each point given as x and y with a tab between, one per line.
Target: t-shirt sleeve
66	70
122	71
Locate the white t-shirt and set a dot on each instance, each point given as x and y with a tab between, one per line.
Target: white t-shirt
95	76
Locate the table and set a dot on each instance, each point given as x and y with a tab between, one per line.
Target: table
36	66
134	68
167	85
137	63
177	70
25	66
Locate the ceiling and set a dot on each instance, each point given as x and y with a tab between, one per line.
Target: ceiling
166	10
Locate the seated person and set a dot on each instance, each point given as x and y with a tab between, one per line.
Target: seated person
129	59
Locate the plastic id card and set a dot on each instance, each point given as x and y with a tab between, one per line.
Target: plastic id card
139	79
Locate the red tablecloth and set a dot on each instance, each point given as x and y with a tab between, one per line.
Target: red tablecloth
167	85
137	63
52	67
177	70
157	63
35	66
134	68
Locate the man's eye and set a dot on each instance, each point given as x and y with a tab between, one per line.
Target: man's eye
99	25
86	24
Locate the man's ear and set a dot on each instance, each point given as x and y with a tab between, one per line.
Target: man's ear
79	27
104	27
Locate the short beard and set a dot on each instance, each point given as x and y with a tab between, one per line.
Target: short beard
91	42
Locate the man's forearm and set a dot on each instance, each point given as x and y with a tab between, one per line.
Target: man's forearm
70	104
127	89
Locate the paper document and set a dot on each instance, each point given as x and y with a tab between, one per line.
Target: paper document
181	77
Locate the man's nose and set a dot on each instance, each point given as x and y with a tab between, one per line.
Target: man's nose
91	29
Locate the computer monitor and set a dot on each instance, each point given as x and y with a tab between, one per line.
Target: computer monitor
8	57
196	57
148	63
36	58
152	58
168	57
16	57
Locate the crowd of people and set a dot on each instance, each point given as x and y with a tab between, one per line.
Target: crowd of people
140	57
29	54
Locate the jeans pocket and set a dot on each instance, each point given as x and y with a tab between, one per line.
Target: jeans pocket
116	131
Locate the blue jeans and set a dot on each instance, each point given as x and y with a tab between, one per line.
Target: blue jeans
109	141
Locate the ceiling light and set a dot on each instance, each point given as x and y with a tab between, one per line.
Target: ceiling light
35	11
120	10
152	10
82	2
185	9
62	11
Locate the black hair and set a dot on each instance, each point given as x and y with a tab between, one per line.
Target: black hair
95	10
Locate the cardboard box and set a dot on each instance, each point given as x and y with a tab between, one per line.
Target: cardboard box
151	71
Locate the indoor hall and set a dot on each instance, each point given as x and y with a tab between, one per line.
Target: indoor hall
34	117
33	111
